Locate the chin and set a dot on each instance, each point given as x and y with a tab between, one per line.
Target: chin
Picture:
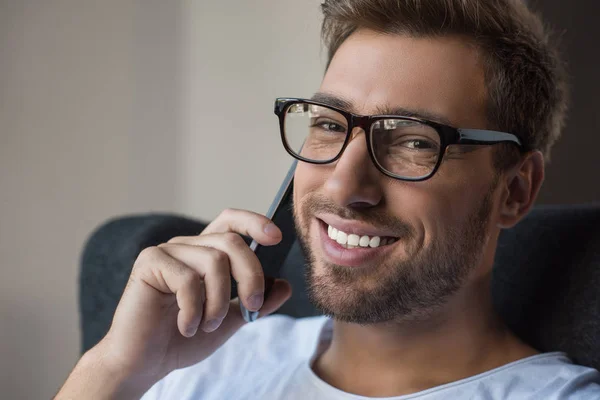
350	295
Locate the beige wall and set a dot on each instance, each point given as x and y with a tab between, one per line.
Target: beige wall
236	62
113	107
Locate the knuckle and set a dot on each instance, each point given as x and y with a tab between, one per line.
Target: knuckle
217	258
228	212
192	279
252	275
217	308
233	239
147	256
257	273
256	276
176	239
250	281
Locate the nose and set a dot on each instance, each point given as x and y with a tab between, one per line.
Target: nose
355	182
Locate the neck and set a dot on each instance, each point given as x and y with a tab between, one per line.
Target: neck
466	338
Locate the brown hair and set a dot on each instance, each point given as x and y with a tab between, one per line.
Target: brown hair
526	80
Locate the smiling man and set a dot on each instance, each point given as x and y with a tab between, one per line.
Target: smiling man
426	138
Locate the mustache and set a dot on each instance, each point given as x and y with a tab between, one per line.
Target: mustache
317	203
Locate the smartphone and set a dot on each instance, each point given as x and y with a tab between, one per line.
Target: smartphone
272	257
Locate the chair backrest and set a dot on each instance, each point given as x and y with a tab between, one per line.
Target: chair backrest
546	280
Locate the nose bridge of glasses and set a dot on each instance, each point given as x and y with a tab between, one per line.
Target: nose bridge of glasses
359	124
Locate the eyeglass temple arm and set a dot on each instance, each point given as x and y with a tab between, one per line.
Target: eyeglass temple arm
481	136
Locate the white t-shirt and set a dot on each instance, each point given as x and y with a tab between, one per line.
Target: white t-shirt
271	359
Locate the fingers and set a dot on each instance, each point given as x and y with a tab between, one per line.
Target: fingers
213	267
280	292
168	275
200	279
248	223
198	269
245	266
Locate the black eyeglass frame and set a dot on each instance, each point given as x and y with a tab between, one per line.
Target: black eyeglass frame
448	135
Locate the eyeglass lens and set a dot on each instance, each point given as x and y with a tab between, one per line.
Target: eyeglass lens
403	147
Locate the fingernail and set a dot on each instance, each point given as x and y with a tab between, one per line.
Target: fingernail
271	230
191	330
211	325
255	301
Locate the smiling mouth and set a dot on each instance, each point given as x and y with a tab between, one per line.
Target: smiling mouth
353	241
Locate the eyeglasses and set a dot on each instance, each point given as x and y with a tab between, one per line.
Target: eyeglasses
405	148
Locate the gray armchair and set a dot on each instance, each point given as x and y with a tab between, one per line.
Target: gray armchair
546	280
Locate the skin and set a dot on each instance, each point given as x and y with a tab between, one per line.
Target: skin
463	336
165	319
176	290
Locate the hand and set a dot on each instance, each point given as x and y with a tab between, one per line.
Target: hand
176	308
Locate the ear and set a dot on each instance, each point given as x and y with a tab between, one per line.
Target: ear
521	187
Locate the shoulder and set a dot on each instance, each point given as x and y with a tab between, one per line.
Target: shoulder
567	380
551	376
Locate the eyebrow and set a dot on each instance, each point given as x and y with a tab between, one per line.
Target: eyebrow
347	105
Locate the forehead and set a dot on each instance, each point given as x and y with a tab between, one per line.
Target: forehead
440	75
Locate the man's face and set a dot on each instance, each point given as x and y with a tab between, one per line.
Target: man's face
439	227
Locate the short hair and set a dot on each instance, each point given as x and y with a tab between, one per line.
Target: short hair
526	80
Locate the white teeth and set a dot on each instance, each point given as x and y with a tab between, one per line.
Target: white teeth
352	241
342	238
364	241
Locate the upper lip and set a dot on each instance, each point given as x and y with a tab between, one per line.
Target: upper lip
354	227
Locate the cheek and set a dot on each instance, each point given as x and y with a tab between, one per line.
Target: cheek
452	208
307	179
435	207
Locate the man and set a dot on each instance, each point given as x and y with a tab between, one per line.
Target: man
398	214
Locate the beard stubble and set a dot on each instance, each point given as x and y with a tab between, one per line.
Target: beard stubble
398	290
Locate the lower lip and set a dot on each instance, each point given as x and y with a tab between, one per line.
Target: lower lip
357	257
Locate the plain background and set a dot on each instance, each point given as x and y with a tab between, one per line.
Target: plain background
116	107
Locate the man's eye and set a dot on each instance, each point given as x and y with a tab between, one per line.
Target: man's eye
419	144
328	126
